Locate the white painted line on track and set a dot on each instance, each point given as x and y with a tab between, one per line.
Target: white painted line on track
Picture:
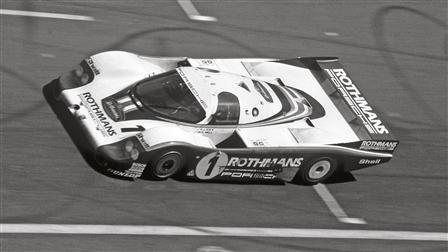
334	206
45	15
192	13
47	55
331	34
213	249
221	231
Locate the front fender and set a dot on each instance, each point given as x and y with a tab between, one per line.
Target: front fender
165	134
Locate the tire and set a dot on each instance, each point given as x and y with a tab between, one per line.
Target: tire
167	165
318	171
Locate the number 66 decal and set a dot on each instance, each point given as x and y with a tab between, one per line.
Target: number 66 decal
211	165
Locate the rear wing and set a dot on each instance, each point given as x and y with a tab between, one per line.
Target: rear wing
351	102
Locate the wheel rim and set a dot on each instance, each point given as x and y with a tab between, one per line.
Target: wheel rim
319	169
168	165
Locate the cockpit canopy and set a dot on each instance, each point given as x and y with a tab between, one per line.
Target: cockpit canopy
169	97
196	96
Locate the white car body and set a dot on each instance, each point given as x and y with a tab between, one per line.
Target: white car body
301	105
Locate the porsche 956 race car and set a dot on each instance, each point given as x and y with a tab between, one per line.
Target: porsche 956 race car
223	119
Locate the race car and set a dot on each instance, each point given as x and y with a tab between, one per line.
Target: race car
299	119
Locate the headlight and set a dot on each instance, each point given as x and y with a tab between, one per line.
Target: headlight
84	79
129	146
79	71
131	149
124	151
134	154
79	76
82	76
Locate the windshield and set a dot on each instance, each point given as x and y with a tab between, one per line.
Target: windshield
169	96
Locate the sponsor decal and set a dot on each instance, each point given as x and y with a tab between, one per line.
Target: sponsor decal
143	142
378	145
205	131
208	65
137	168
259	142
356	101
92	66
111	106
369	161
192	89
211	165
249	175
218	163
206	62
264	162
98	115
126	173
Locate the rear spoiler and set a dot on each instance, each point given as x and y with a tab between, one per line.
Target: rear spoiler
350	101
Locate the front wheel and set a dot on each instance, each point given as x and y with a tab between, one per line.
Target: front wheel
318	171
167	165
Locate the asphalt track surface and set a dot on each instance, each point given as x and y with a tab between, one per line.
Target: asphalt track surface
396	51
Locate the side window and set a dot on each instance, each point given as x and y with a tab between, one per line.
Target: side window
228	111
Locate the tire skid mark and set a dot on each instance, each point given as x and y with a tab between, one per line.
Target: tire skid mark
391	62
42	216
139	34
30	108
273	33
405	128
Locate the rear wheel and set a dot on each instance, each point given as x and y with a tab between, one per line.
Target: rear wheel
167	165
318	171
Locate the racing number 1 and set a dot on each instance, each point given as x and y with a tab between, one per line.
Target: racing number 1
211	164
